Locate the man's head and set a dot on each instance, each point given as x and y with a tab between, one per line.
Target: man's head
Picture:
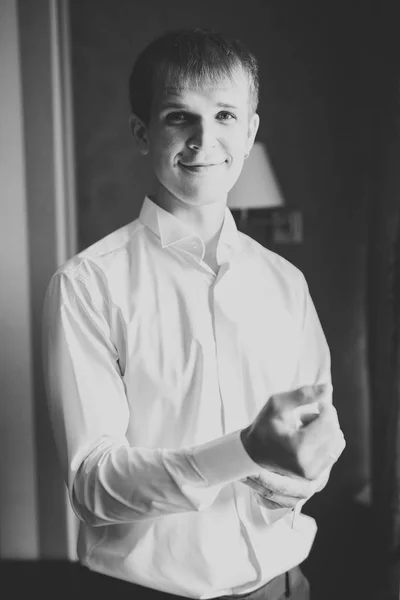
194	96
188	57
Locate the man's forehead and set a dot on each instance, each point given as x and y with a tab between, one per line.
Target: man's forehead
224	87
178	90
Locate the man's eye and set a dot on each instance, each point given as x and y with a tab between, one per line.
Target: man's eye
224	115
176	117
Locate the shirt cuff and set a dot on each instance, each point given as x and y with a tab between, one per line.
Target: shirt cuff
223	460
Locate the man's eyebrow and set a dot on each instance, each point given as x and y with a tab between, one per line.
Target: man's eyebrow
172	104
225	105
167	104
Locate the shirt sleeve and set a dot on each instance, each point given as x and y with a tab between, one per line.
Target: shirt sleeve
314	358
108	480
313	367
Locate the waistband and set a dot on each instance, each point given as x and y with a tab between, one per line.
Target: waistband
97	585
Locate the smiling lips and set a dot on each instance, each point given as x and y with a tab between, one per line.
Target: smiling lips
200	168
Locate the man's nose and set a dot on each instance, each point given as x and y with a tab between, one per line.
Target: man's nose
202	137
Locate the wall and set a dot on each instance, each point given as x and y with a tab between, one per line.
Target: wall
44	67
35	237
312	112
18	525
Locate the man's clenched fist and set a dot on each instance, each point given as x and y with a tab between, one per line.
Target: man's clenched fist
296	433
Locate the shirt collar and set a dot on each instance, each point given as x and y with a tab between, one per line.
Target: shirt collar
229	239
173	232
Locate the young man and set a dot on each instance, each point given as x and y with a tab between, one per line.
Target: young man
188	374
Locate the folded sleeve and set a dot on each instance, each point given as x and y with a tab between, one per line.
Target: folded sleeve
109	481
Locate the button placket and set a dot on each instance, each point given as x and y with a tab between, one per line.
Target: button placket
229	376
227	356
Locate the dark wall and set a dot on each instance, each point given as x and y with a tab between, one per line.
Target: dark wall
314	73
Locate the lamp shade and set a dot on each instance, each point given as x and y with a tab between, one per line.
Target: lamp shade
257	186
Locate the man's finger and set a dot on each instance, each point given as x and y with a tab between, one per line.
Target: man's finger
340	446
328	417
324	397
277	502
282	485
269	498
307	394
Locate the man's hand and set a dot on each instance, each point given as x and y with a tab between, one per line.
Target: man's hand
286	444
279	491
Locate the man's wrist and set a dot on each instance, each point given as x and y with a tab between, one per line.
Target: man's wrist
248	444
261	453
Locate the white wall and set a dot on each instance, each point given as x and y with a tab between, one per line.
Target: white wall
37	232
18	502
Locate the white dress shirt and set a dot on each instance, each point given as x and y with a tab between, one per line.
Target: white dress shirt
154	364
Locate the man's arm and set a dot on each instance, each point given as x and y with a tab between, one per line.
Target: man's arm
108	480
314	367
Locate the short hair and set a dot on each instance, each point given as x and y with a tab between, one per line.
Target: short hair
188	56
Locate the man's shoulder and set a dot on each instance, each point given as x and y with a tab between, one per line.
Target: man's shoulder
269	261
104	255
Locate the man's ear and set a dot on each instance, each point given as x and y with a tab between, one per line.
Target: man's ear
254	123
140	133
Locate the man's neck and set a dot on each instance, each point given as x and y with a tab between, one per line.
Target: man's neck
205	220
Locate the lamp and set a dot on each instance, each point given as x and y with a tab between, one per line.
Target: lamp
257	188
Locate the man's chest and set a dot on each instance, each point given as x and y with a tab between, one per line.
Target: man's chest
207	342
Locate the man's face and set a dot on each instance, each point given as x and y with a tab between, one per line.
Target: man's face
197	139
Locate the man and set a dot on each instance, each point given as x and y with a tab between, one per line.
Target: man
188	374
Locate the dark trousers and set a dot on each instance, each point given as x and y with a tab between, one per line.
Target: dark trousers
292	584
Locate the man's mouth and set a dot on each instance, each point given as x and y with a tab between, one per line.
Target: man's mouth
200	167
